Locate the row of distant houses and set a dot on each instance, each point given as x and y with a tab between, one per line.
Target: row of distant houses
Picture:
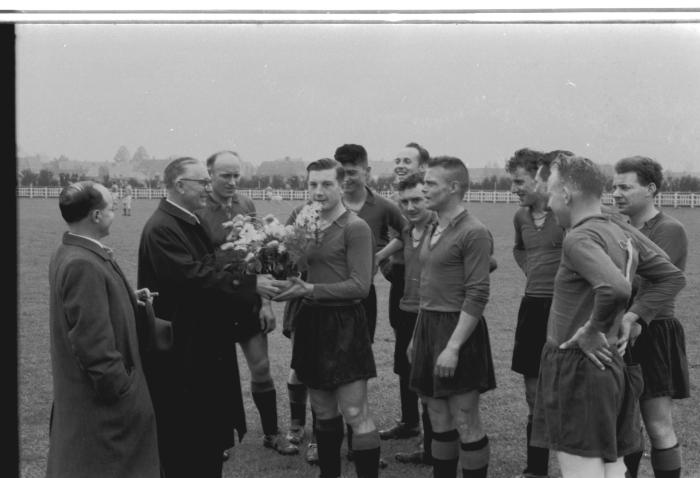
140	170
148	169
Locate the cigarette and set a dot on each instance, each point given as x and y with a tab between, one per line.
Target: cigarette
154	294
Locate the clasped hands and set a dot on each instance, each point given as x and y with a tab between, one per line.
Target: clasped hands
281	290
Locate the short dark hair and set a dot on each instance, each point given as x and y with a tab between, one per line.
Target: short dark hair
648	171
423	155
546	159
78	199
581	174
410	181
353	154
455	166
175	168
525	158
212	159
324	164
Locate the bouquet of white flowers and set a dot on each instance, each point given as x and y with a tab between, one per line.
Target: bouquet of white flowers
266	246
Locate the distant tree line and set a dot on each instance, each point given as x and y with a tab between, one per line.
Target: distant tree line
47	178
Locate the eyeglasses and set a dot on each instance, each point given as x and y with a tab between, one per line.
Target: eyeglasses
204	182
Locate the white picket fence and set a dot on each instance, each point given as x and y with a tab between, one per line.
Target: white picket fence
667	199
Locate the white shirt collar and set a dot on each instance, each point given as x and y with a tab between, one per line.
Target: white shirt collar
183	209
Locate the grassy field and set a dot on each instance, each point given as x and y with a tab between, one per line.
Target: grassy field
504	409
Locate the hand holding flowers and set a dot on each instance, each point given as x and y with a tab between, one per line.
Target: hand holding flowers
265	246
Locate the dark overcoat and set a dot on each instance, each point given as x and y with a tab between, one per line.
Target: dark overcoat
102	421
195	386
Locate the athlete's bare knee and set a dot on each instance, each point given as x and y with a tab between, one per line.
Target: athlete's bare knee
439	414
661	434
469	428
353	414
260	370
323	404
659	422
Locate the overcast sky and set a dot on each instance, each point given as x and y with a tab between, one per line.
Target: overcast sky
478	92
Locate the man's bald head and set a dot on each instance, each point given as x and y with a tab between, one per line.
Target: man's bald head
225	171
225	156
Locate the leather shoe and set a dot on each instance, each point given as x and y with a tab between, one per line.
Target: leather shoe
312	453
295	435
280	444
399	431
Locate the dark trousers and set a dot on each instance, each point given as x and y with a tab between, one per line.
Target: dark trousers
398	273
403	331
187	446
186	450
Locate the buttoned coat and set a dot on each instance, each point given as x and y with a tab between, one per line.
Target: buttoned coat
102	420
196	385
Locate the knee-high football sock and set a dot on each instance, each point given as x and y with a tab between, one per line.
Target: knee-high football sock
666	462
298	394
632	463
265	398
313	426
409	403
427	434
348	429
537	458
366	454
444	451
475	458
329	436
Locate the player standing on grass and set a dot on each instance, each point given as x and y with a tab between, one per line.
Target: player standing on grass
254	320
413	205
126	200
410	160
660	348
537	251
332	352
381	214
586	403
451	362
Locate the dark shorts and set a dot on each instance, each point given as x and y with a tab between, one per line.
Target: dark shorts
398	271
530	335
474	366
403	330
585	411
331	346
660	349
370	305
